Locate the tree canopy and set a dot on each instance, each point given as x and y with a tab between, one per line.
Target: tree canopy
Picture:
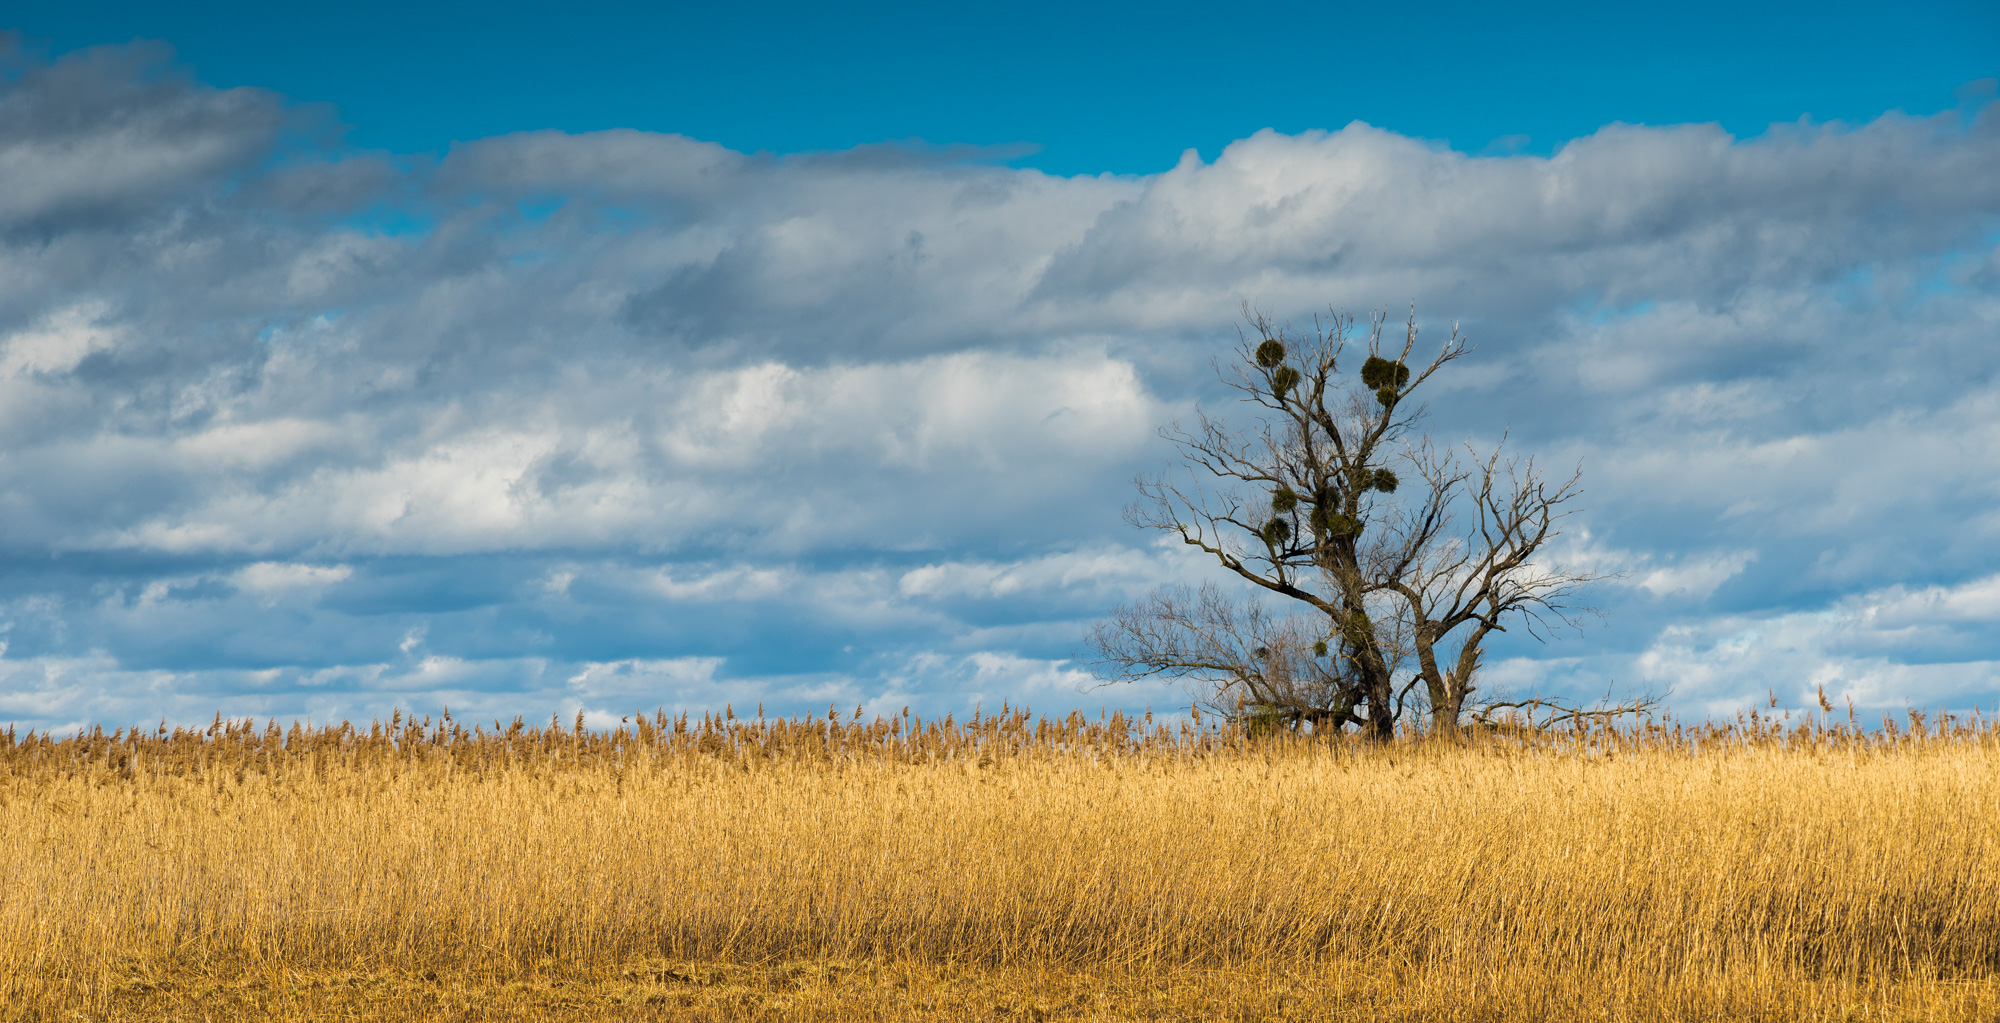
1393	558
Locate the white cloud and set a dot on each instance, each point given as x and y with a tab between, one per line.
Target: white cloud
741	583
1696	577
1975	602
267	576
765	448
1693	575
1886	648
725	409
57	344
1111	570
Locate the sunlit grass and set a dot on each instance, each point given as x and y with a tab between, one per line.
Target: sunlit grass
831	869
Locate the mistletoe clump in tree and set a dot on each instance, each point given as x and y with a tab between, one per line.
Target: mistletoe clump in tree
1393	587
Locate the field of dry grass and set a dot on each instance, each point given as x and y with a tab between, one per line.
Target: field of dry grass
1003	868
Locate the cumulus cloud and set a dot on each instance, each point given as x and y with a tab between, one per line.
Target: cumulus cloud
1884	649
560	421
270	576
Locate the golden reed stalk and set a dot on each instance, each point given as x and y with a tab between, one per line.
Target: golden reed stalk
832	869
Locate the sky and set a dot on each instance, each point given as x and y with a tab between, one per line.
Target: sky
363	358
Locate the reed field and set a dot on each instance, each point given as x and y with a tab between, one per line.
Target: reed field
1000	868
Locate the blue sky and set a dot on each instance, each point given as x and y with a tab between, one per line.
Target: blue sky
399	357
1089	87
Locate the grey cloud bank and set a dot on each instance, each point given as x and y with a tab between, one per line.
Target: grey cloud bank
601	422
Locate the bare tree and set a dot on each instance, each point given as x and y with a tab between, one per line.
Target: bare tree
1479	579
1270	670
1306	506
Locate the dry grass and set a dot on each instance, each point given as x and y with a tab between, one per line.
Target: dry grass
1001	868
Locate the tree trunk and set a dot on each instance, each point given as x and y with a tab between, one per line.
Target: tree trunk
1446	693
1381	725
1447	703
1448	696
1381	690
